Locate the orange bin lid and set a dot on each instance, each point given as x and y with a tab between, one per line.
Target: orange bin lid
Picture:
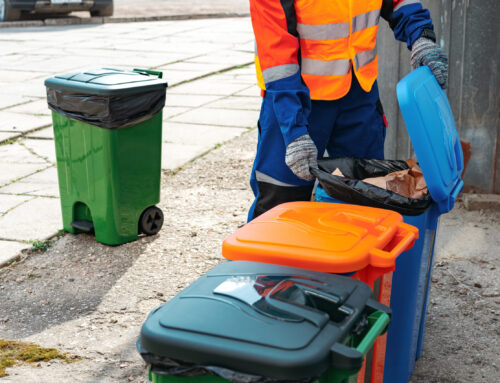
327	237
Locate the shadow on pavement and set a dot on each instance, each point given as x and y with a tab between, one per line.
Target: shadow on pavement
64	283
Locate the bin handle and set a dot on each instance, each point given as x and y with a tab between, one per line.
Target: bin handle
349	358
148	71
382	258
382	320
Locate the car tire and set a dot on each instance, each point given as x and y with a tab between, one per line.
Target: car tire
7	13
103	12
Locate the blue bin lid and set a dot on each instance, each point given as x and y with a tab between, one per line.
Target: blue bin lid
434	135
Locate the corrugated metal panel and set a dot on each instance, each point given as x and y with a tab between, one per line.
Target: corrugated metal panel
469	31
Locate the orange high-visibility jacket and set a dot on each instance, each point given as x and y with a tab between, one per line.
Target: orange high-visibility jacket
326	40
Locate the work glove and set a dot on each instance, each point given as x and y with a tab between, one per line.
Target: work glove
301	154
426	52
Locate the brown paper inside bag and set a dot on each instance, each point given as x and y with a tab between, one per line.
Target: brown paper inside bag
408	183
337	172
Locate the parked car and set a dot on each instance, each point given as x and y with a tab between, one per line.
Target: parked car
11	10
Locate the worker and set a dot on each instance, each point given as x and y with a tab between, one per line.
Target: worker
316	64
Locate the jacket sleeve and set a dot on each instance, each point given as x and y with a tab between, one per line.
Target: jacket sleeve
407	18
277	49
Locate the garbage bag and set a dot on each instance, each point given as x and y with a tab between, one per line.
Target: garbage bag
108	112
165	366
352	189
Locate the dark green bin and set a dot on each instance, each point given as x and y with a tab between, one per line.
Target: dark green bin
274	322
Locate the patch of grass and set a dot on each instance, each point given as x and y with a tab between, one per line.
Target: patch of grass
13	352
40	246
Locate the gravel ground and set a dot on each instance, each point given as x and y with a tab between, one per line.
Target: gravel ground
90	300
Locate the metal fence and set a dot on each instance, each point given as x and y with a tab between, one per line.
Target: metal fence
469	31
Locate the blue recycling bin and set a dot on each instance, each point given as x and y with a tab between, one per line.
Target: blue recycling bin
434	136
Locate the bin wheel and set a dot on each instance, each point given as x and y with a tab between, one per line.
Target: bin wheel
151	220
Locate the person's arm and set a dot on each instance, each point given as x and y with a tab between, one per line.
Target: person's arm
407	18
277	42
412	24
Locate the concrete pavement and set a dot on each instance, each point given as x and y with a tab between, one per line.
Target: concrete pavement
212	98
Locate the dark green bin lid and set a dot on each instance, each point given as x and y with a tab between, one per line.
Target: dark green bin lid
262	319
108	82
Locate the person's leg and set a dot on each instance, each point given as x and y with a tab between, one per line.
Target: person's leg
360	127
271	180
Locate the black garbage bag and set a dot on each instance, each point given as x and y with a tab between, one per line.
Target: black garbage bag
107	111
164	366
352	189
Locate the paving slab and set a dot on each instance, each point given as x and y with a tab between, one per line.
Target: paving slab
220	117
188	100
16	153
4	136
178	76
33	89
194	66
158	45
235	38
228	56
43	183
208	86
171	111
44	148
202	135
173	156
56	64
243	103
8	100
251	91
17	76
16	122
9	251
12	172
36	219
8	202
37	108
46	133
249	79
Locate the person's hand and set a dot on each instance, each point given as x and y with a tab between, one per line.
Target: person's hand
301	154
426	52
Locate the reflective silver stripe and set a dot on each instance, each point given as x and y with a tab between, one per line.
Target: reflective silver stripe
325	68
365	20
406	2
323	31
261	177
278	72
365	58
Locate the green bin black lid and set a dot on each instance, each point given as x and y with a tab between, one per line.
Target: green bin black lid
262	319
106	82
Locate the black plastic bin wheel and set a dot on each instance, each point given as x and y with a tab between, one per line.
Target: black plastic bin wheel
151	220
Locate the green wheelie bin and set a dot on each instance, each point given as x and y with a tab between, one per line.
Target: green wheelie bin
262	323
107	129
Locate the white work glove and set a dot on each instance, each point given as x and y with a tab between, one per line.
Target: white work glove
301	154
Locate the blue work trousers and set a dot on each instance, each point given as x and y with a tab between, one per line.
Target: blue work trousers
352	126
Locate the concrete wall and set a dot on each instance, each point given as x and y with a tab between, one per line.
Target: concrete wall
469	31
